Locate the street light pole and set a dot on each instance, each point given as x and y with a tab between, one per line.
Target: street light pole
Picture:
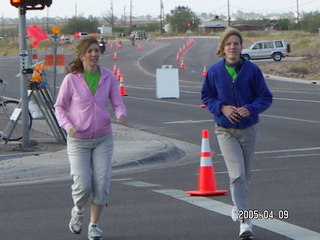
24	64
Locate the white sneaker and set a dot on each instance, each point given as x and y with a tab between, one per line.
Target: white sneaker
94	233
235	214
246	230
75	224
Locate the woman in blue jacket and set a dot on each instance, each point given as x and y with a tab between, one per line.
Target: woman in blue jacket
235	92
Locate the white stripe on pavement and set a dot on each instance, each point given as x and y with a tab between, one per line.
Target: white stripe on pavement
262	115
280	227
289	118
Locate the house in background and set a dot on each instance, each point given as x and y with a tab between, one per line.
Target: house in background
215	25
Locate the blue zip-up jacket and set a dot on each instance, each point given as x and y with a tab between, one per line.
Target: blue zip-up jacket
248	90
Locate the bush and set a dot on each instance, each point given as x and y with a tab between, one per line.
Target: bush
299	70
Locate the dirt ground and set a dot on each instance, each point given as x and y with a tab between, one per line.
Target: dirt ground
39	143
293	67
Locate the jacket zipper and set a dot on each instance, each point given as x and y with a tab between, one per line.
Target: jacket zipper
235	97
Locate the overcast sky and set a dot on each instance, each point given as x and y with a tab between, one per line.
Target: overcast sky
69	8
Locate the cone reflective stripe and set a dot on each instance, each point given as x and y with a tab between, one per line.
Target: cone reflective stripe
206	179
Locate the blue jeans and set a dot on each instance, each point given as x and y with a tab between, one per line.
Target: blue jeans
237	147
91	168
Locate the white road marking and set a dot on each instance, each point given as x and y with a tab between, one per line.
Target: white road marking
296	100
292	119
280	227
141	184
290	150
262	115
188	121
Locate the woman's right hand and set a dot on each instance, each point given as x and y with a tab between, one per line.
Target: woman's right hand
231	113
71	130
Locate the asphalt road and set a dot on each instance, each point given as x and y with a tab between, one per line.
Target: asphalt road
149	203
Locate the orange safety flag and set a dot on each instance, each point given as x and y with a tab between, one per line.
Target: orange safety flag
37	33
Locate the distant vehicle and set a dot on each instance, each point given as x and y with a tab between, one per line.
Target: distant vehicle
139	35
1	38
83	35
275	49
65	38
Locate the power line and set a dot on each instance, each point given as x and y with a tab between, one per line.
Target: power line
293	7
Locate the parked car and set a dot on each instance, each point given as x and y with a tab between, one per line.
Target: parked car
65	38
83	35
275	49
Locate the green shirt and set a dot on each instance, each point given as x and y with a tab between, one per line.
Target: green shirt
233	69
92	79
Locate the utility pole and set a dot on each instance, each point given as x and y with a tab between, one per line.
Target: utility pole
161	17
76	25
298	18
229	21
131	15
124	15
2	25
112	17
47	19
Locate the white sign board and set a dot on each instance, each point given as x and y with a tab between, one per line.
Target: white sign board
167	82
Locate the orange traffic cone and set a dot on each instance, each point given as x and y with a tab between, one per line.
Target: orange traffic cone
115	56
204	72
115	71
178	57
206	180
118	74
139	47
182	66
122	88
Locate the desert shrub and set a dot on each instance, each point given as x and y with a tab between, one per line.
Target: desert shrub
299	70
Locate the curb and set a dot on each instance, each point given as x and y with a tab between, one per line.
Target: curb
287	79
170	153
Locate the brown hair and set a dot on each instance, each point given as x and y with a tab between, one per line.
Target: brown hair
225	35
82	46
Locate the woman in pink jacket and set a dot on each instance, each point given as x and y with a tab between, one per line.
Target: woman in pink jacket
81	109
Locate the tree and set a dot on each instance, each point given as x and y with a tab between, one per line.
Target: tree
284	24
182	19
310	22
81	24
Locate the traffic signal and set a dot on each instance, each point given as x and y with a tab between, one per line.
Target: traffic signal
30	3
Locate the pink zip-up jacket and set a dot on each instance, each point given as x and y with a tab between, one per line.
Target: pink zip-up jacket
88	113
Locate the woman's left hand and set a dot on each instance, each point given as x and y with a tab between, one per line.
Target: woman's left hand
122	119
243	112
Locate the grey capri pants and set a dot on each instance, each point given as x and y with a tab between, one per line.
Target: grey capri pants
91	168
